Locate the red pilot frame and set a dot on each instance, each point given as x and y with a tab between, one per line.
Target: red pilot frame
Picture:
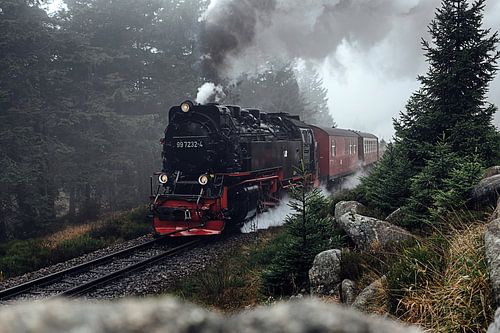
226	200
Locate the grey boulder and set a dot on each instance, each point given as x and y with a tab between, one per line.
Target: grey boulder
343	207
369	233
486	192
324	275
373	297
347	291
492	249
170	315
312	316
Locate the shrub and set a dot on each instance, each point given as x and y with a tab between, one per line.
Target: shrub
456	187
440	187
22	256
123	226
75	247
387	186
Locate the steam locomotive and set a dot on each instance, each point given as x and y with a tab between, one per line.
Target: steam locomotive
222	164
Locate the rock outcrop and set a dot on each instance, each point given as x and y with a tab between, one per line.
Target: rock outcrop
373	298
343	207
173	316
369	233
324	276
486	192
492	249
347	291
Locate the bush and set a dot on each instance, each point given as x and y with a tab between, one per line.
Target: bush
123	226
75	247
442	186
456	187
386	188
22	256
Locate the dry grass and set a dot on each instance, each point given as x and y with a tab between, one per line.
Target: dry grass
459	299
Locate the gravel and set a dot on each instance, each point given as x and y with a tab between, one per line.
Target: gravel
14	281
159	278
154	279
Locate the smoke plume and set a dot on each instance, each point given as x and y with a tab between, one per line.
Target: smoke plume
209	93
240	36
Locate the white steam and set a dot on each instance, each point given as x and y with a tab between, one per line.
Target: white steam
274	217
354	180
209	92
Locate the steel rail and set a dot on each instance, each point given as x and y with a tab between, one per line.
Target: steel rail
51	278
85	287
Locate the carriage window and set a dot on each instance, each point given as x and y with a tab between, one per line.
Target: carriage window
334	148
306	136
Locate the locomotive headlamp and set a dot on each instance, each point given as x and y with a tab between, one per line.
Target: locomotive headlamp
185	107
163	178
203	180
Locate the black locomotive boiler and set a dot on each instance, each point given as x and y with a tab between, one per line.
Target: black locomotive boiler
222	163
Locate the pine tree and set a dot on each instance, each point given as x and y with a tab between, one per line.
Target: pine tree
388	184
451	102
443	185
308	231
446	133
275	90
313	92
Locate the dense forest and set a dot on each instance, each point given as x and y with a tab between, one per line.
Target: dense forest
84	95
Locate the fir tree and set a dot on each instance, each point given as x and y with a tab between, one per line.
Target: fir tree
308	231
313	92
388	185
451	102
446	133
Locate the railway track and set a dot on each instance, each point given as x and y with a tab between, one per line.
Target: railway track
82	278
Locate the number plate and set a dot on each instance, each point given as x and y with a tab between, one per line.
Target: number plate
189	144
